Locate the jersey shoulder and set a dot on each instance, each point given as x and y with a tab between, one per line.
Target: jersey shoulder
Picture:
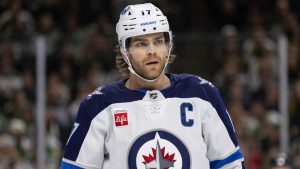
99	94
193	82
108	94
199	80
188	85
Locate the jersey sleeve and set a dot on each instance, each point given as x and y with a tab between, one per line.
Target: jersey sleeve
85	146
223	150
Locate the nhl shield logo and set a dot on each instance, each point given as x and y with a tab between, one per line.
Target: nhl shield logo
153	95
158	150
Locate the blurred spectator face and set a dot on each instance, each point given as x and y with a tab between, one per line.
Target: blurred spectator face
259	35
67	51
53	89
255	18
19	25
272	96
282	6
229	34
231	68
72	23
7	65
66	71
101	43
46	22
258	109
236	91
16	6
265	68
228	6
27	79
292	21
293	60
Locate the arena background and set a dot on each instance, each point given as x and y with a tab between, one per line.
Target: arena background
53	53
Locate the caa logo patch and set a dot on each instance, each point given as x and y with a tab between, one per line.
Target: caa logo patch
158	150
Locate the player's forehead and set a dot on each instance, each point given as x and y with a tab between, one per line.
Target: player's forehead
148	37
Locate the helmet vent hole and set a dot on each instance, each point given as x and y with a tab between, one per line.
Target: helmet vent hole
154	28
129	13
144	30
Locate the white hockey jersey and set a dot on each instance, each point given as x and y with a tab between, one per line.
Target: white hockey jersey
184	126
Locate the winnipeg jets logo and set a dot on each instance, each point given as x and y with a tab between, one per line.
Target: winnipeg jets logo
158	149
158	160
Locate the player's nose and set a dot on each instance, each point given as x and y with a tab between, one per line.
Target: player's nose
151	50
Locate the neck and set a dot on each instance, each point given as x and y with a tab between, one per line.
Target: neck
136	83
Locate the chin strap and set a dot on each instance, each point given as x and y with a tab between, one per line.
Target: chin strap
130	68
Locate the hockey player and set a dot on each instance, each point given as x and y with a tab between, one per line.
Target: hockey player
151	119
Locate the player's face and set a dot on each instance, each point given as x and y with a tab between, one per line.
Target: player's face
148	54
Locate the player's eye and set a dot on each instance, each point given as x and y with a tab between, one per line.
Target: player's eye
159	42
141	44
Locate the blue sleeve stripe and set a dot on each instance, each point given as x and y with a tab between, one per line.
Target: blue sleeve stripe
220	163
65	165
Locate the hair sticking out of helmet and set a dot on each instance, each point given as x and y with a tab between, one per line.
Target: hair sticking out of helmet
142	19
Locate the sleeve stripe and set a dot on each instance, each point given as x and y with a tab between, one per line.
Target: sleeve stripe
220	163
65	165
243	165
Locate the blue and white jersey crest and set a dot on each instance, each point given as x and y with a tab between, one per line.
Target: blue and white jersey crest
158	149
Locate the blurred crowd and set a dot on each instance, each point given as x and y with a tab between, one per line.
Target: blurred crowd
80	39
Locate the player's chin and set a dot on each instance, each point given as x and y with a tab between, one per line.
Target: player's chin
152	72
151	75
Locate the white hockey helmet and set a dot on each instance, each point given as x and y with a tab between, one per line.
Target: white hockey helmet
141	19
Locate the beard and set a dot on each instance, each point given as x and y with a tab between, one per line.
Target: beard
149	72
